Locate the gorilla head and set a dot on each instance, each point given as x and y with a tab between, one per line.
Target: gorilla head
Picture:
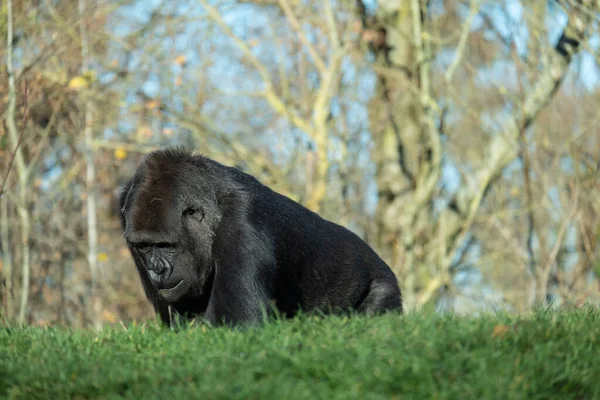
211	241
171	214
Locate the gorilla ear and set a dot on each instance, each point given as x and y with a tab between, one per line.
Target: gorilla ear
124	193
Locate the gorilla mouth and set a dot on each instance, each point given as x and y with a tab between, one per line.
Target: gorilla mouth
171	293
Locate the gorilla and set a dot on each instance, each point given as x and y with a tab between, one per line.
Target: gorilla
210	241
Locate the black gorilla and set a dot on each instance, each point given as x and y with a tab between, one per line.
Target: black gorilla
211	241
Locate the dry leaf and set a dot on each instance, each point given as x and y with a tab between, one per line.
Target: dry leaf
500	331
109	317
168	131
144	131
42	322
180	60
152	104
124	251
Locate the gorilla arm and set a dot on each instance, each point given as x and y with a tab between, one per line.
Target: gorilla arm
244	265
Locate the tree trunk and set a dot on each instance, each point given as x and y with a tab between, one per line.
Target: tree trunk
21	169
401	140
90	179
6	259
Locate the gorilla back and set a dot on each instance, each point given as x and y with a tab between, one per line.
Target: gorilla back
211	241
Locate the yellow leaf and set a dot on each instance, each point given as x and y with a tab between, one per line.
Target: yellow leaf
102	257
168	131
178	81
120	154
78	82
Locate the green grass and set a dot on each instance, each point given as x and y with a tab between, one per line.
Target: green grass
548	355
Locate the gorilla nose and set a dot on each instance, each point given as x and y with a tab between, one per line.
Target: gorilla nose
159	272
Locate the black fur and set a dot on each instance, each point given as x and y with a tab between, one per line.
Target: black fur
236	248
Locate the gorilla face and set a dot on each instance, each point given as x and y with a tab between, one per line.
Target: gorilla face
170	222
159	260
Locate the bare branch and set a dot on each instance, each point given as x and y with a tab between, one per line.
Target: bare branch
272	98
428	178
331	26
19	141
503	147
293	21
547	267
462	43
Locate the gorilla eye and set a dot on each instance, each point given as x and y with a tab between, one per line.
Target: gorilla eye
189	211
143	247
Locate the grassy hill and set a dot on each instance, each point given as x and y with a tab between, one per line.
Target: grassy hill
548	355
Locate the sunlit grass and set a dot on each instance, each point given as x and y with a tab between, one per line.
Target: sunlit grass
416	356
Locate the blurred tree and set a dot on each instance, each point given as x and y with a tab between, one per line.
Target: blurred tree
459	138
427	240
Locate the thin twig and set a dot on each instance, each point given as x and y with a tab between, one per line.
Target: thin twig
291	17
332	26
460	48
21	135
270	95
559	238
